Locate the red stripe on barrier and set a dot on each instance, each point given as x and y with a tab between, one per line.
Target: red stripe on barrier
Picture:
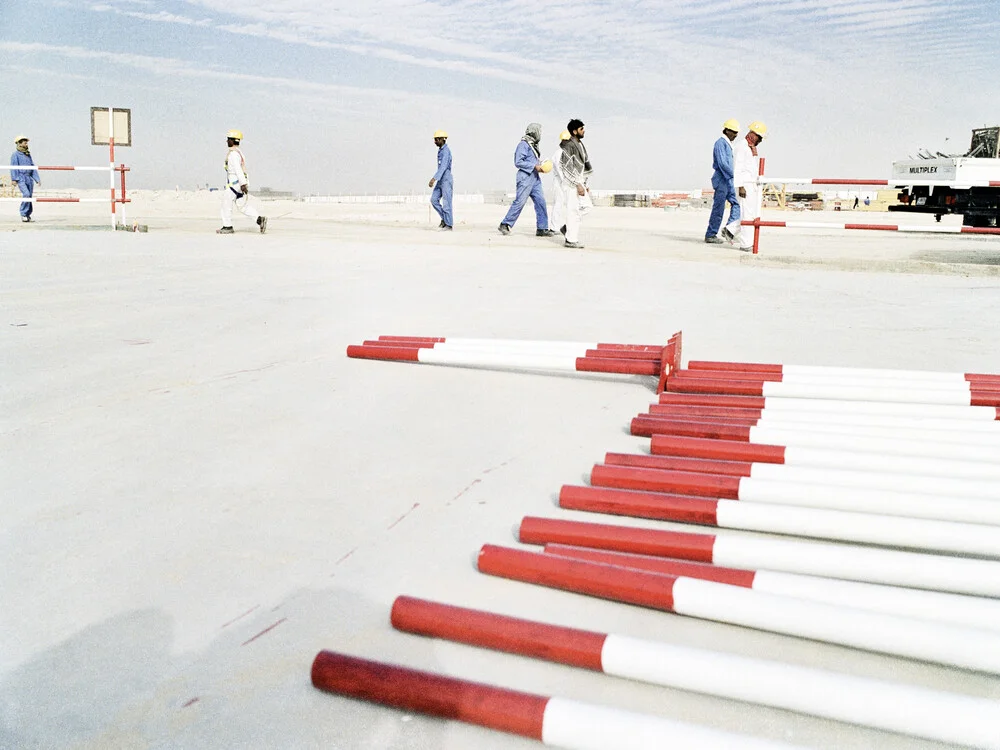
631	347
694	413
661	480
650	426
623	354
756	375
424	339
578	648
745	421
985	398
621	366
625	585
658	506
713	399
57	200
720	387
724	450
979	230
883	227
681	463
406	345
704	571
680	544
704	364
761	223
59	169
436	695
395	353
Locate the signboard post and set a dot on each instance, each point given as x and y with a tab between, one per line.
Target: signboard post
104	123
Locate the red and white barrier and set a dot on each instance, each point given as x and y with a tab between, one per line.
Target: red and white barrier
956	609
936	447
922	534
897	392
731	456
852	562
918	712
832	406
829	420
968	648
527	355
111	169
813	371
559	722
930	228
680	476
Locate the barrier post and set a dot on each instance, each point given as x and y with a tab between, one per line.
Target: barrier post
760	205
111	148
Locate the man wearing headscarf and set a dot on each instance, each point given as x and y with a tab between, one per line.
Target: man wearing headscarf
574	165
527	159
24	178
557	217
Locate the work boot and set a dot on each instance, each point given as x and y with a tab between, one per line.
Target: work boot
262	223
442	225
563	229
504	229
727	235
445	227
225	230
714	240
25	219
577	245
544	232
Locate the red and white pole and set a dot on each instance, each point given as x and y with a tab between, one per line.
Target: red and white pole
111	148
914	711
956	609
936	447
760	205
968	648
899	531
957	575
559	722
832	406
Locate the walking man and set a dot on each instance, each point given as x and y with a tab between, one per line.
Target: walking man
575	167
557	217
237	192
527	159
745	172
25	178
722	184
442	182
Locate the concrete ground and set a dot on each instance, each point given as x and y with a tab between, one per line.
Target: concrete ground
201	491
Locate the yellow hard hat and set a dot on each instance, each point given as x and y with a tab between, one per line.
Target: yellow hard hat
731	124
547	165
758	127
20	138
236	135
440	134
564	136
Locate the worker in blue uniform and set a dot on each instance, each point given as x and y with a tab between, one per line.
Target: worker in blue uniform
442	183
25	179
723	185
527	159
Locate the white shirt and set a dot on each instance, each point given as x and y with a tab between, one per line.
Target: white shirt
236	174
745	164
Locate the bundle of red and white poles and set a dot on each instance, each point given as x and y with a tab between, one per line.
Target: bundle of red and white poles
516	354
877	492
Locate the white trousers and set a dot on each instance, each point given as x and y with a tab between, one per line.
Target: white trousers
556	218
749	210
576	207
243	204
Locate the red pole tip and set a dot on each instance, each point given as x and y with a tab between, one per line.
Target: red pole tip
435	695
680	544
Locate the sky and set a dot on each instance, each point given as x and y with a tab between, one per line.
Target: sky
342	96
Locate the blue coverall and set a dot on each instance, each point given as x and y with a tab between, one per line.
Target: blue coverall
529	184
25	179
443	186
725	190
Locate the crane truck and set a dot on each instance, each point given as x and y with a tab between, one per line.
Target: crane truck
942	184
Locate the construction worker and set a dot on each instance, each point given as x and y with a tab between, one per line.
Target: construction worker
745	171
442	182
575	167
527	159
237	192
722	184
556	220
24	178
